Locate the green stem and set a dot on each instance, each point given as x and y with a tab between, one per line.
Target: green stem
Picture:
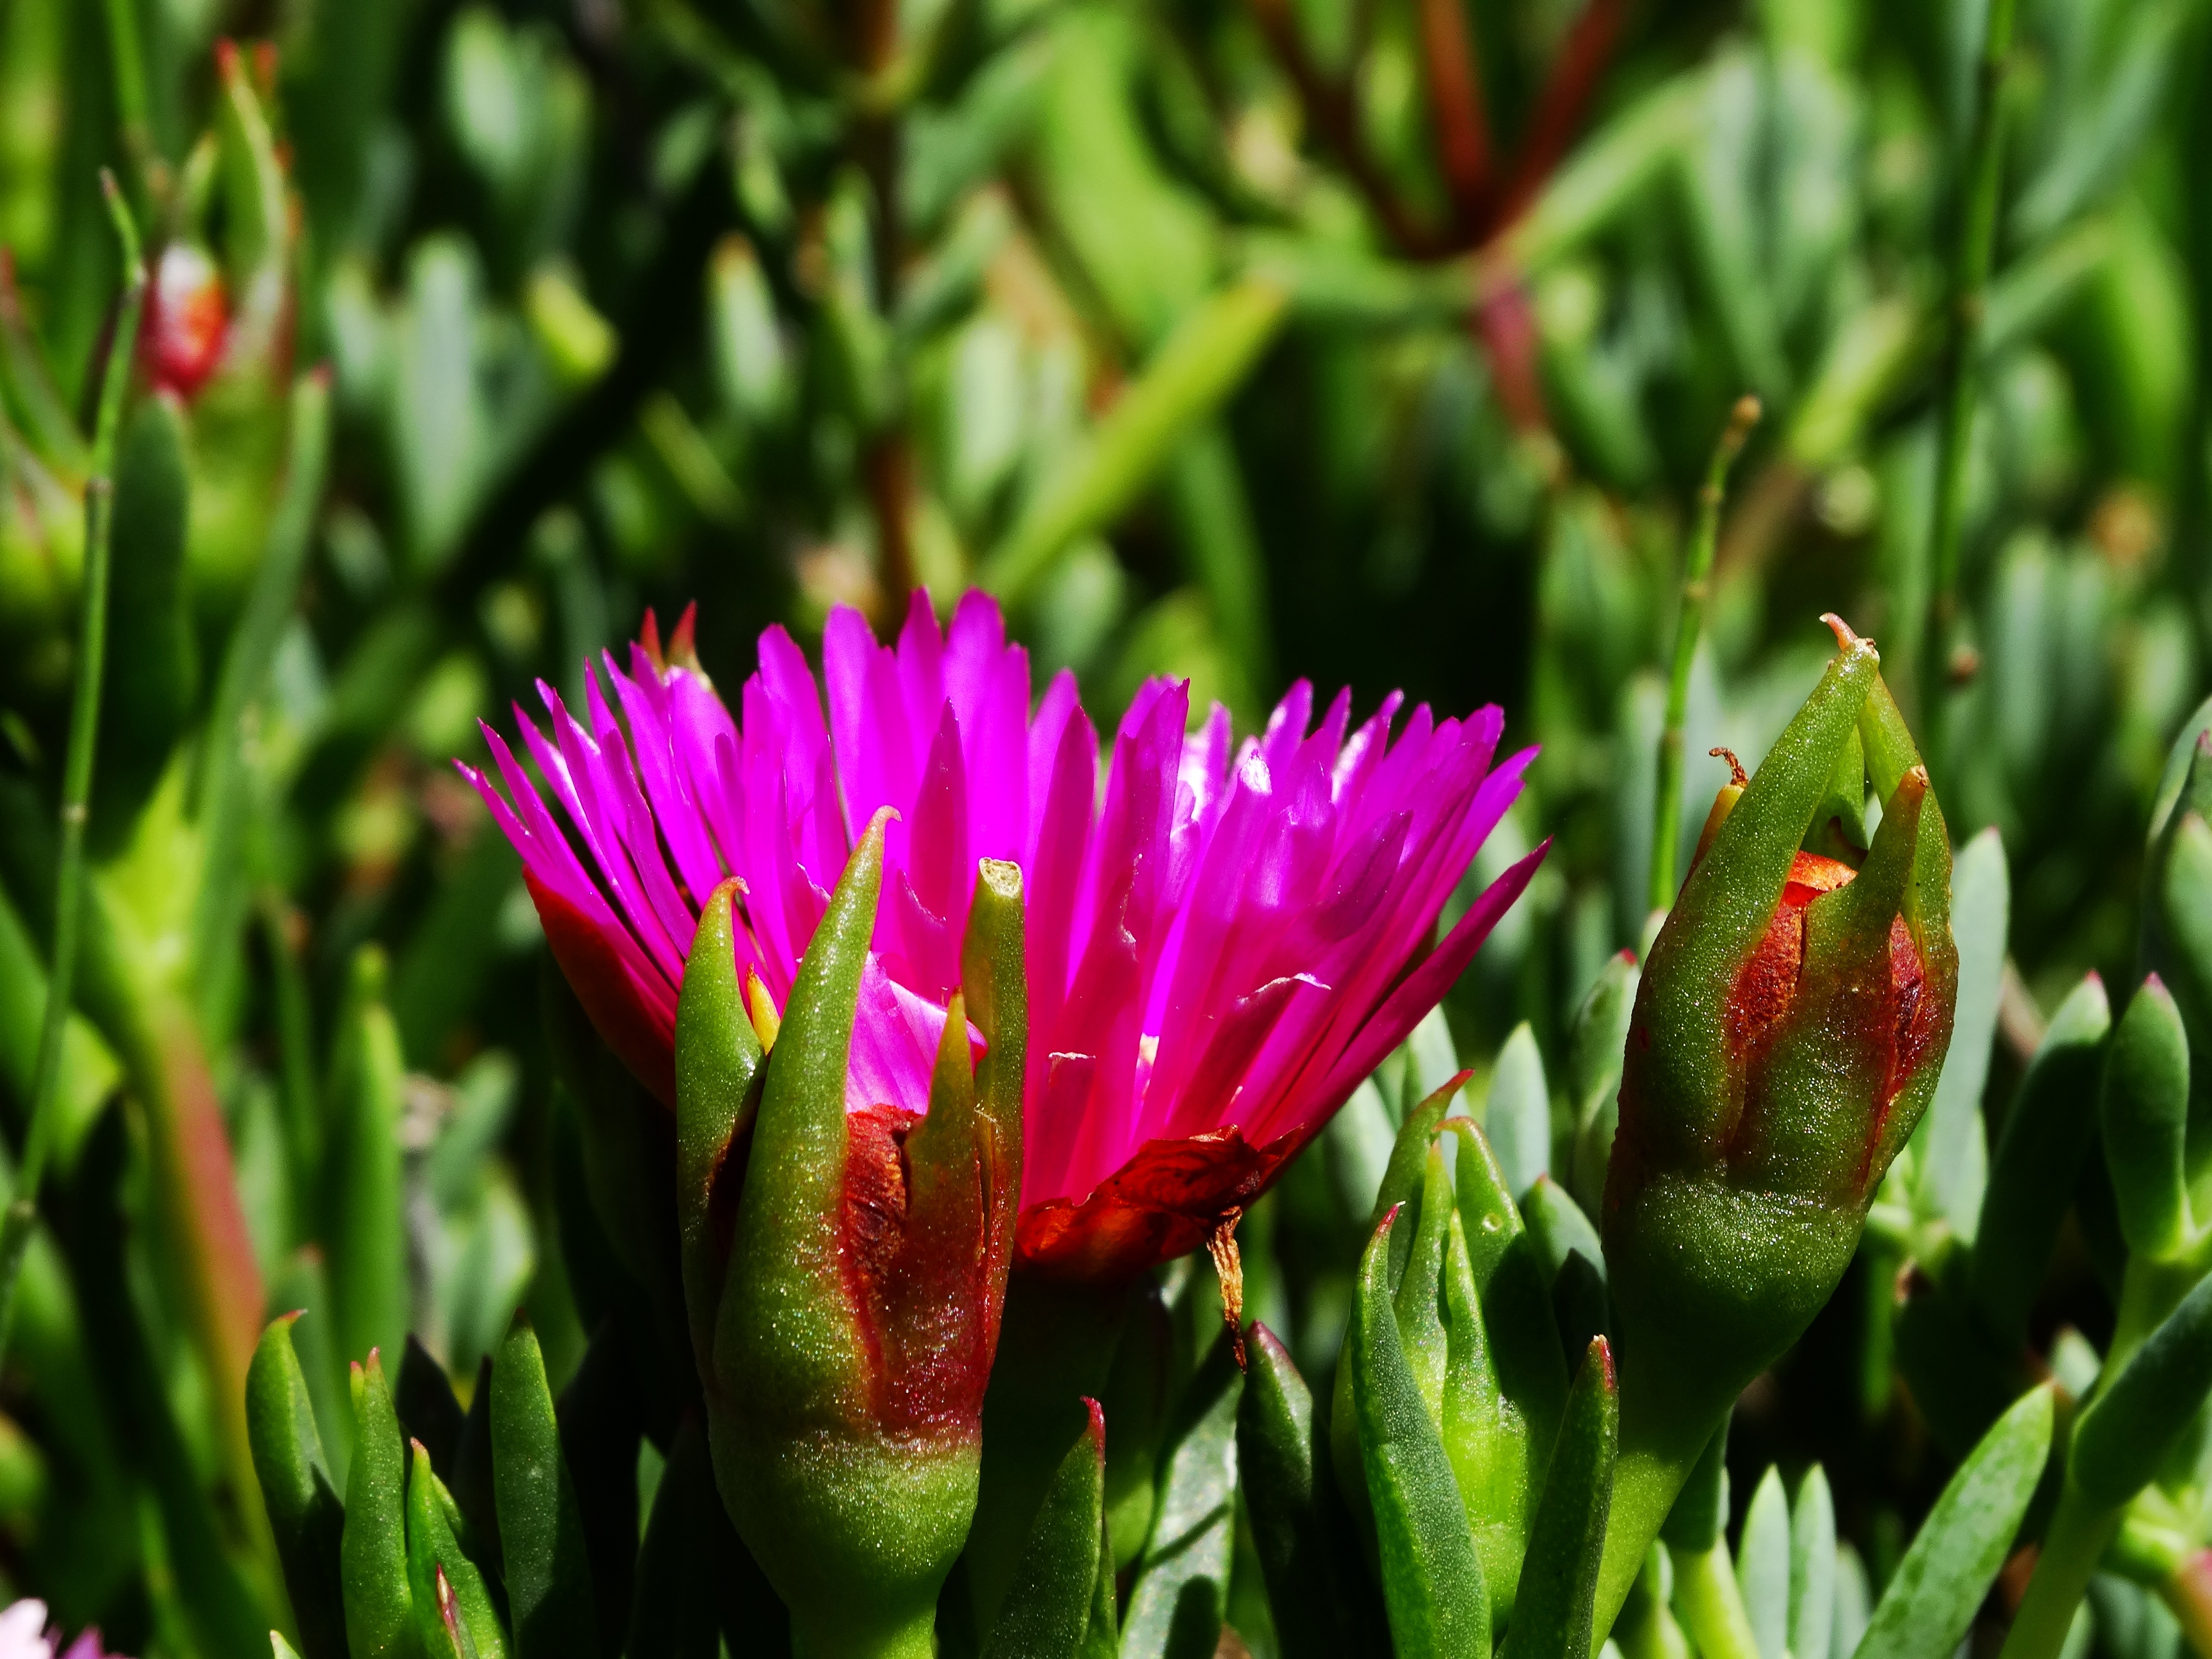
127	55
1697	577
77	773
1970	277
1646	1480
2079	1531
1711	1604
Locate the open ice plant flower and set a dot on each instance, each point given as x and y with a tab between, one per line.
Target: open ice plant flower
1221	943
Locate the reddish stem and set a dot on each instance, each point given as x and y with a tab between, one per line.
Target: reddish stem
1455	106
1567	93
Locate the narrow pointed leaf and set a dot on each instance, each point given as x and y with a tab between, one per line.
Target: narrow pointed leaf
1812	1567
2123	1439
1932	1598
2144	1108
541	1529
1762	1566
455	1618
1284	1467
2037	1156
1181	1590
304	1509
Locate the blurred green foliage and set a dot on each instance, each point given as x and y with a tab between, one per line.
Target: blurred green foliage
1373	341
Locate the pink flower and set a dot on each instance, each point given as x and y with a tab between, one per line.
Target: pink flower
25	1634
1217	953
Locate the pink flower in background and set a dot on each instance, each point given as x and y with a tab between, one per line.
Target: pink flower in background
1219	949
24	1634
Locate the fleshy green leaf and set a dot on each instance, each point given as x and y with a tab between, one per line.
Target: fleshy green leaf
1182	1589
1518	1117
2144	1108
453	1613
1762	1566
2125	1434
1932	1596
1812	1567
2032	1177
304	1509
541	1528
1286	1472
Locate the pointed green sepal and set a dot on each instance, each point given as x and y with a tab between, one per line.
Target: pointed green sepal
719	1073
1432	1585
454	1616
1047	1610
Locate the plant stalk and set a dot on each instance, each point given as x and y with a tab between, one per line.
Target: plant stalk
1970	276
2080	1530
1696	580
23	1211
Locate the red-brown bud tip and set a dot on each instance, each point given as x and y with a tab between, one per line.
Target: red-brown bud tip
1845	639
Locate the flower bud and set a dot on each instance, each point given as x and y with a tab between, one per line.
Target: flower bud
857	1288
1788	1033
187	317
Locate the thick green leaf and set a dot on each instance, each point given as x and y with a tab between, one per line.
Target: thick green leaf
1553	1613
367	1209
1432	1585
1762	1566
541	1529
1285	1470
304	1509
1518	1114
153	656
2144	1108
379	1619
1486	1435
1177	1604
1812	1567
1933	1594
1047	1610
1512	1284
2038	1156
1981	914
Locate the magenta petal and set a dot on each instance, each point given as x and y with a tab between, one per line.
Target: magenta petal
1220	943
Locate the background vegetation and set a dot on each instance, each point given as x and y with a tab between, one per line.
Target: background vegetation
1371	341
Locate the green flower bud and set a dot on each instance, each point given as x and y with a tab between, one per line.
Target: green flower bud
1788	1033
849	1308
